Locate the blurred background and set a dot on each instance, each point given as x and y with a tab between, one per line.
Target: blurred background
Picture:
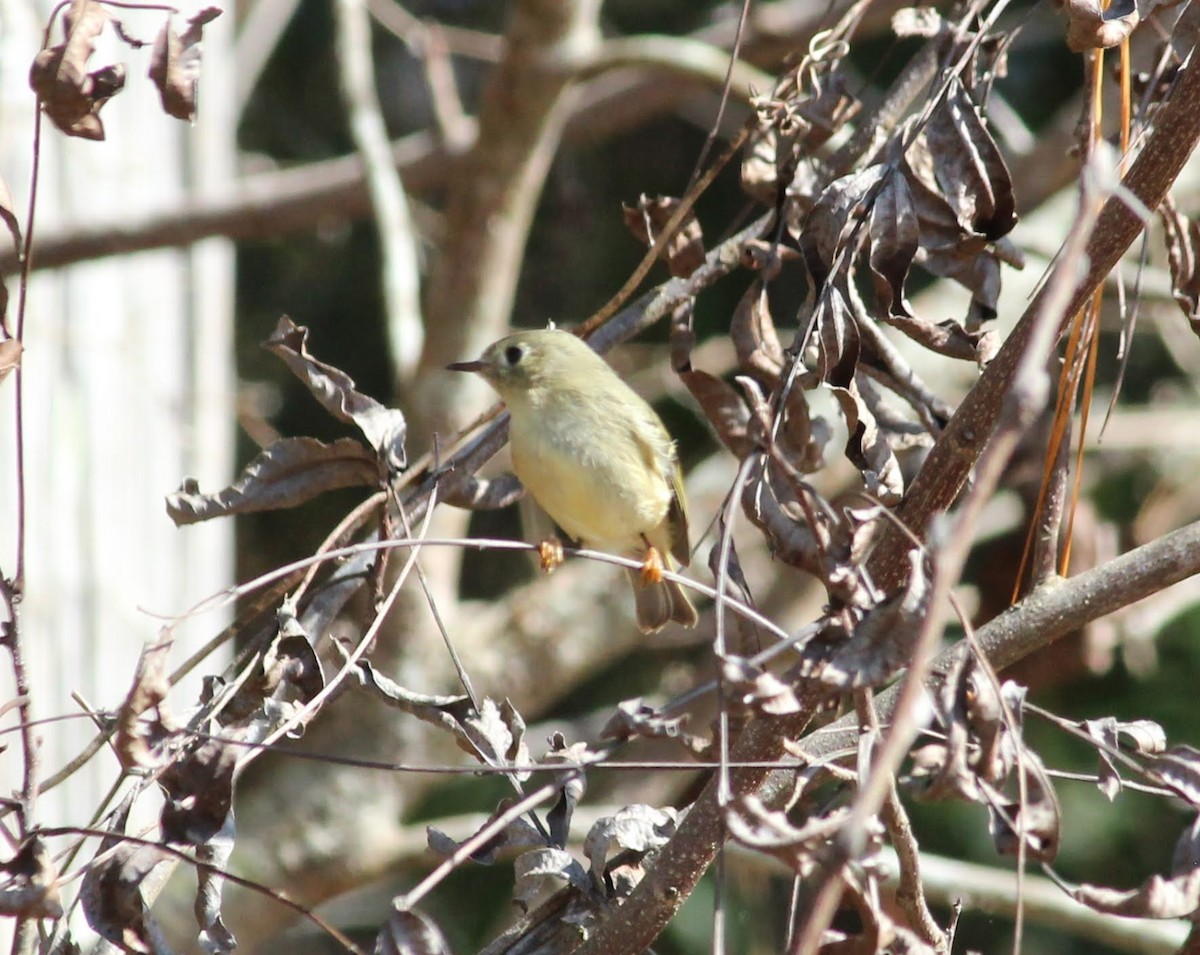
349	838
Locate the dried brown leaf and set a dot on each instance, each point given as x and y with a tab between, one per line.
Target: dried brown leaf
540	872
749	822
724	408
495	733
1037	816
948	338
138	742
10	353
112	900
633	718
895	239
627	835
1156	898
1182	236
684	252
882	643
9	215
947	249
752	331
384	428
774	509
754	688
31	889
410	933
1143	736
288	473
842	205
520	833
1092	25
838	341
968	166
1179	769
70	95
175	64
866	447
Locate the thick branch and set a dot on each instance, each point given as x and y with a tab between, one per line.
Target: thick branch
945	471
520	123
1057	608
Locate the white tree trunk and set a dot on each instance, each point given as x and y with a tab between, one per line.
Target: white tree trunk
129	387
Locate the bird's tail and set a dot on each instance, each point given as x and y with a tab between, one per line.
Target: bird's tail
658	603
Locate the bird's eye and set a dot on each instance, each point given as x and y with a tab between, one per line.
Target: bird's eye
513	354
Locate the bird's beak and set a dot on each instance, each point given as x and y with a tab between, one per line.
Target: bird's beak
466	366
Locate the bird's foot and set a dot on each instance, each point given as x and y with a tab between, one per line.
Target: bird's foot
550	553
652	568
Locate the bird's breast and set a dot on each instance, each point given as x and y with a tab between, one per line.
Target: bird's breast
601	491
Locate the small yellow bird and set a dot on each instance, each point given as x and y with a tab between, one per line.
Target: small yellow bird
596	458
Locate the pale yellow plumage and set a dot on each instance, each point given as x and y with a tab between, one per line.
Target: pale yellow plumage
594	455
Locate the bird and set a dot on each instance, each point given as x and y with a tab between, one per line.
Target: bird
596	458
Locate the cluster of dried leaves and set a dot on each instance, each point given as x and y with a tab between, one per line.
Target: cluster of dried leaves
920	184
72	95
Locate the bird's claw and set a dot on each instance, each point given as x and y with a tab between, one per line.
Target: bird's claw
652	568
550	553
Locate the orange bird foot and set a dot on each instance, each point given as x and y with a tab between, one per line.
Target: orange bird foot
550	553
652	568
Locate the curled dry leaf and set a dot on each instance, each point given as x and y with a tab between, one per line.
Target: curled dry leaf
895	239
724	408
410	933
31	890
199	793
70	95
1178	768
968	166
980	747
540	872
626	837
1092	25
800	438
769	831
882	643
633	718
948	338
866	446
1037	816
10	349
175	64
1182	236
214	937
283	681
754	688
139	742
752	331
495	733
843	204
962	224
572	783
384	428
518	834
684	251
111	896
1156	898
775	507
9	215
1141	736
288	473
